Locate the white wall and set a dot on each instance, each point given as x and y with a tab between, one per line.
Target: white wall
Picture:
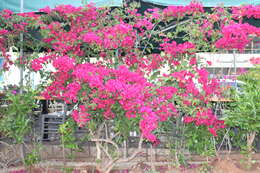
227	60
12	77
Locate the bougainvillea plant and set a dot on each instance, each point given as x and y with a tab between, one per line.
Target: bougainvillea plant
124	71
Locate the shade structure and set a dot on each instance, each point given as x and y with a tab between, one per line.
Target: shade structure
35	5
206	3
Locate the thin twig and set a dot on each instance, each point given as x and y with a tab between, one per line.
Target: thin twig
107	141
112	162
135	153
223	140
115	135
149	38
106	152
173	26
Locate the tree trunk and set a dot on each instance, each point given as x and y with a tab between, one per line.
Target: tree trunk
103	171
98	157
104	168
152	157
250	140
107	170
23	152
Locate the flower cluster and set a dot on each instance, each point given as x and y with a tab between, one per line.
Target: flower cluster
64	63
121	35
180	11
236	36
255	61
37	63
207	118
110	86
6	14
248	11
174	49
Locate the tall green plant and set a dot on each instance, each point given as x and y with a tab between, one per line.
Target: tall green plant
16	120
244	112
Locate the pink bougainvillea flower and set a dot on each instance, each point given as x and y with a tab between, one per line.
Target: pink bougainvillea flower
255	61
236	36
248	11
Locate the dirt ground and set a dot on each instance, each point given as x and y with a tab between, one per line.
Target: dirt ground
216	166
225	163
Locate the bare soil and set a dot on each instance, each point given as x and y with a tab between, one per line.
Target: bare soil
226	164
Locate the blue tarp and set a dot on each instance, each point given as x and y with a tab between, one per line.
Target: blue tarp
35	5
206	3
